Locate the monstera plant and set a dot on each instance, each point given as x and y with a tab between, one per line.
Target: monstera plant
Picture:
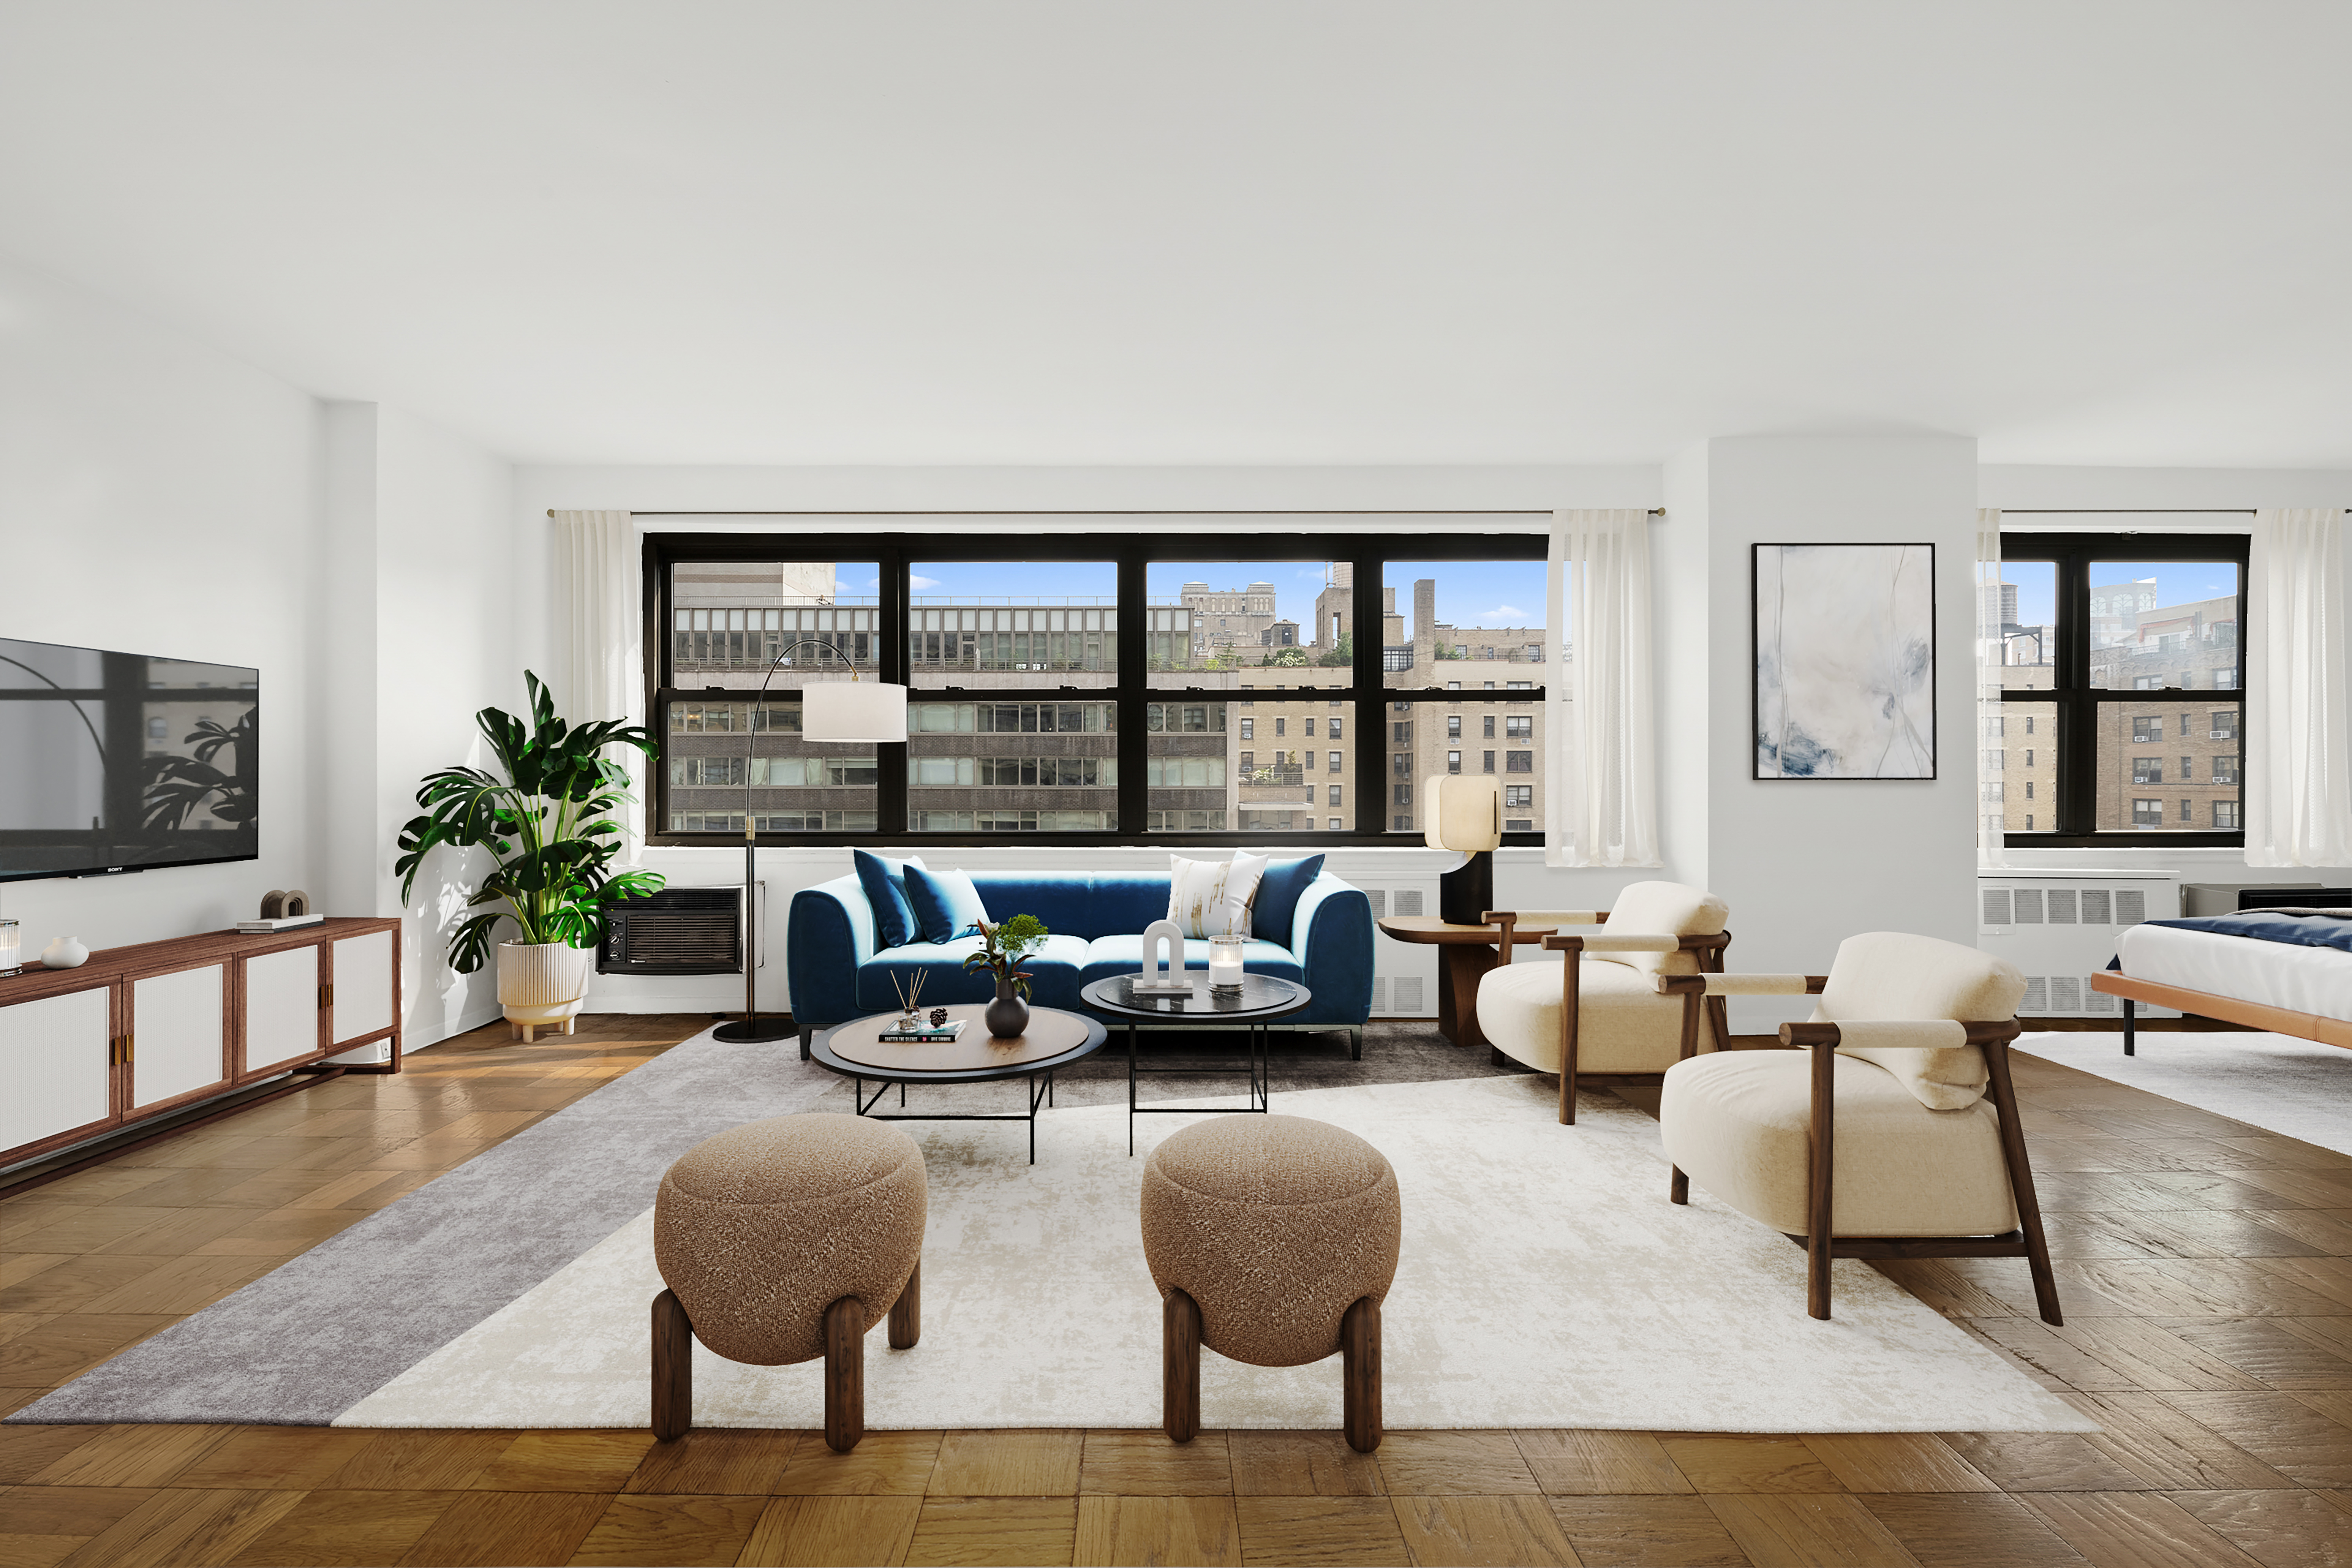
547	819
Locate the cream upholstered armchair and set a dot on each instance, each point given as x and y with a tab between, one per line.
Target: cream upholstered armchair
1875	1138
1598	1017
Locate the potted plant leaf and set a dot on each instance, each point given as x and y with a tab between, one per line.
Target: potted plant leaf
548	825
1006	947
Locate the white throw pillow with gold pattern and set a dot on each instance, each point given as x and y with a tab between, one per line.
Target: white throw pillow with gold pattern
1210	898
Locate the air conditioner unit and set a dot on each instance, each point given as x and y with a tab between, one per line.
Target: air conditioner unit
2059	927
678	930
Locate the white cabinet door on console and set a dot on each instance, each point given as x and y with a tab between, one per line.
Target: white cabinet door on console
282	1008
176	1041
56	1062
363	1002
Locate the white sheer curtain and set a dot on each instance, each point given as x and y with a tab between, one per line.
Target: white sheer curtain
1991	654
600	637
1601	799
2298	792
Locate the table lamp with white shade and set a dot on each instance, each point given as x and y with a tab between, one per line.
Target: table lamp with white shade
1464	814
833	712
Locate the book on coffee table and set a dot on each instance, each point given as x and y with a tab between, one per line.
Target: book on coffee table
926	1036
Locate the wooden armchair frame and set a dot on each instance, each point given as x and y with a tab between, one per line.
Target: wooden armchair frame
1708	948
1820	1243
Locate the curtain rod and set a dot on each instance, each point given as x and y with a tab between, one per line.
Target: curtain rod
1164	511
2128	511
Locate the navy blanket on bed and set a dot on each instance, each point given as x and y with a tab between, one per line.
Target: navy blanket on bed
2269	925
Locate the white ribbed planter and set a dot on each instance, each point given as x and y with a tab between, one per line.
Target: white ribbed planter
542	984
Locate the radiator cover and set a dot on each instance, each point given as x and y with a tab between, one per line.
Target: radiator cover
2060	926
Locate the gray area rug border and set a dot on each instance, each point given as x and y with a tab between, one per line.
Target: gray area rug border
311	1339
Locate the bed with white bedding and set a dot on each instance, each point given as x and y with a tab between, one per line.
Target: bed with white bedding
2284	971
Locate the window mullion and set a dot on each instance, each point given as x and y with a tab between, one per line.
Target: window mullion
1368	630
1134	747
890	762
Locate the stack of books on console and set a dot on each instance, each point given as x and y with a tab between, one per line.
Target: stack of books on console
892	1034
263	926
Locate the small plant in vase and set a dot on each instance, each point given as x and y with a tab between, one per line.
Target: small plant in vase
1006	947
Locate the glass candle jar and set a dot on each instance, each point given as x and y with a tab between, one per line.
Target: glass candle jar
1225	962
9	952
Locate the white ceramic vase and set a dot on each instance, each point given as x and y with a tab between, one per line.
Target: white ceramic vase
542	984
65	953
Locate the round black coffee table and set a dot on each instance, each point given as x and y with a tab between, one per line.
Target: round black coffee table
1053	1040
1260	1000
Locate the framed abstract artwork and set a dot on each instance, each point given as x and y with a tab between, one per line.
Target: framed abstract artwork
1846	661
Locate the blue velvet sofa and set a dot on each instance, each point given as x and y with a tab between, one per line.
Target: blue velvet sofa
837	971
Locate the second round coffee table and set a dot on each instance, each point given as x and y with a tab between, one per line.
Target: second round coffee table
1261	999
1053	1040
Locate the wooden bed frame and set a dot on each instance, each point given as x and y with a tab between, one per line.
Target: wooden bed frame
2205	1005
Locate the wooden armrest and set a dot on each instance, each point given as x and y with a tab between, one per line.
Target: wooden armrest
1829	1035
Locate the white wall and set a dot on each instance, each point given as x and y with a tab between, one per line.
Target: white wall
1361	493
1804	863
447	643
157	496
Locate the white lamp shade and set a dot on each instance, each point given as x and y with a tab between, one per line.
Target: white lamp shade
863	711
1466	811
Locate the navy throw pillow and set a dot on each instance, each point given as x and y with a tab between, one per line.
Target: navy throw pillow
946	904
894	918
1279	891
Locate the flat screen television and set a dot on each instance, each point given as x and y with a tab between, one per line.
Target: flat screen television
124	762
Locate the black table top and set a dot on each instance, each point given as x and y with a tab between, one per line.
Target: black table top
1262	996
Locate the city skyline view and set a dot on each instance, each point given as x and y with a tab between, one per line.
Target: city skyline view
1470	593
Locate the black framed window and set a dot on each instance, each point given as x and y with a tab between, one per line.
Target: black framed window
1091	687
2120	714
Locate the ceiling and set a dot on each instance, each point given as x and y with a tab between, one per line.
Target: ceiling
1230	233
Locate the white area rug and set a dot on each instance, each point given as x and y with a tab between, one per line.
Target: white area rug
2298	1088
1546	1281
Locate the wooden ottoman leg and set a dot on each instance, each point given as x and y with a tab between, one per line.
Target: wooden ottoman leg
1678	1189
673	1368
1180	1367
907	1312
1360	1373
844	1374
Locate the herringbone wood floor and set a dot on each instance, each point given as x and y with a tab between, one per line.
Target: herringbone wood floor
2206	1268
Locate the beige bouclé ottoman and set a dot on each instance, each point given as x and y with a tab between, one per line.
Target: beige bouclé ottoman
1273	1240
781	1241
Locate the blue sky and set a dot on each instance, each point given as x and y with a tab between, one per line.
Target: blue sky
2177	583
1469	593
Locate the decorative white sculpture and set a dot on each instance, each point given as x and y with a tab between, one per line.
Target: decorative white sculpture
1160	977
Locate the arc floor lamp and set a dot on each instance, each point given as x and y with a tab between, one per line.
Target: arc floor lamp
833	712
